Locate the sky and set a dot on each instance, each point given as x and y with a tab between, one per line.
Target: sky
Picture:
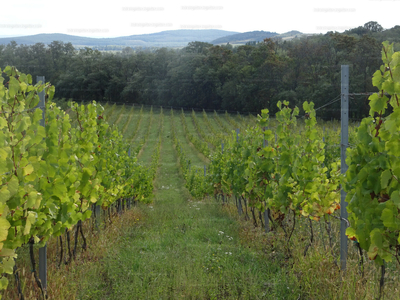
123	17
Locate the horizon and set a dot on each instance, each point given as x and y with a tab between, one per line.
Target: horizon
111	37
103	20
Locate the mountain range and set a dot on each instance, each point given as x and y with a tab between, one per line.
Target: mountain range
169	38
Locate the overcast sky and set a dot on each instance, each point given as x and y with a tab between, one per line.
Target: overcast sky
122	17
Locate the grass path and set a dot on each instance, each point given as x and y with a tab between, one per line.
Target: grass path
183	250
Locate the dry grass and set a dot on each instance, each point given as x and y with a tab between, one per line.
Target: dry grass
62	281
318	273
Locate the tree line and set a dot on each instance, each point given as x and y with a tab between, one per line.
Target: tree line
244	78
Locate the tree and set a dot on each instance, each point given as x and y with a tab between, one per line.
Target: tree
127	51
197	47
373	26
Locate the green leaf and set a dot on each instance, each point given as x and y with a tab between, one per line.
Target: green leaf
387	218
4	194
8	265
3	122
377	79
388	86
32	197
24	123
395	197
377	103
13	87
392	146
376	237
28	170
31	218
350	232
13	185
3	283
59	189
4	226
385	177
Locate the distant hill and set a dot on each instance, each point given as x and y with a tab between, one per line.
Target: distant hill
169	38
242	38
289	35
255	36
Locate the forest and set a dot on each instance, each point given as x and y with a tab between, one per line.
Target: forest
243	78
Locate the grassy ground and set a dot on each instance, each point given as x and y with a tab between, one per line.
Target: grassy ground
179	248
184	249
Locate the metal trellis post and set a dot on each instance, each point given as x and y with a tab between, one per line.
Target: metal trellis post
344	141
43	250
